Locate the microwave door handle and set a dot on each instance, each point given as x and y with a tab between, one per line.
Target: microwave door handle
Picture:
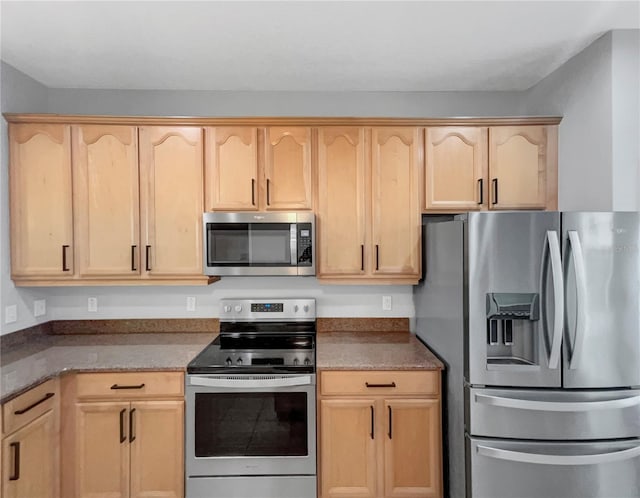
294	244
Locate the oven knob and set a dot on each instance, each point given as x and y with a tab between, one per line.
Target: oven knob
238	308
307	361
228	361
295	361
296	308
306	308
239	361
227	308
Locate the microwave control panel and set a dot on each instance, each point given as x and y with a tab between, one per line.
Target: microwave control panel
305	244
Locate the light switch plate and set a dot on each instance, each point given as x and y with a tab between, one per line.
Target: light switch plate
92	304
11	313
39	307
191	303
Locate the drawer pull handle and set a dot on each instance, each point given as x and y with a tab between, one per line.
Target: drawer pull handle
123	437
116	386
16	461
393	384
42	400
132	436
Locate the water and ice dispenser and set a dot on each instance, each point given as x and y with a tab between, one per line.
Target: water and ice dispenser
511	330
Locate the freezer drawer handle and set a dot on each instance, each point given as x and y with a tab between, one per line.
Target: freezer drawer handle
517	456
555	406
581	298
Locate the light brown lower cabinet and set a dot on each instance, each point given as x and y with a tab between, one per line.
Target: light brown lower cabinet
127	435
380	435
30	446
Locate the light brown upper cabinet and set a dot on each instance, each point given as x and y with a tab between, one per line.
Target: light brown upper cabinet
105	192
40	205
499	167
518	167
456	168
368	204
258	169
232	168
171	200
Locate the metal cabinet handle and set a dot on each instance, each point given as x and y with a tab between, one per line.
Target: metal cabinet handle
481	191
133	258
64	258
390	422
132	436
138	386
253	191
16	461
495	191
147	266
268	192
372	424
392	384
33	405
361	257
123	436
377	257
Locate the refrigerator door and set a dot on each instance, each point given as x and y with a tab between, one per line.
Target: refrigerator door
601	260
523	469
515	302
554	414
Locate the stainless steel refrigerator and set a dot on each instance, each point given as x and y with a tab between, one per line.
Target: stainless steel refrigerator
536	316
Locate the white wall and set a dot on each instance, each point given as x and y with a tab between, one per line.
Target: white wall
597	93
626	119
18	93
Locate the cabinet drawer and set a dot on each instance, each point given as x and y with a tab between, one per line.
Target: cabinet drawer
28	406
129	385
388	382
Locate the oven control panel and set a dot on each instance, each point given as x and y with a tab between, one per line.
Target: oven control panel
249	310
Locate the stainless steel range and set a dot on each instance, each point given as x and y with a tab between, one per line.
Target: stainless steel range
251	403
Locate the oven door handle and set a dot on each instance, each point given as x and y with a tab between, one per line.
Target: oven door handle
250	382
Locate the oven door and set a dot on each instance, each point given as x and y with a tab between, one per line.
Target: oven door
250	425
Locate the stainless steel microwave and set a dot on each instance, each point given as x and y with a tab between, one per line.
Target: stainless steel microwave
259	243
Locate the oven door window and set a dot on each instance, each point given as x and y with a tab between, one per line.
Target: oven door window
249	244
251	424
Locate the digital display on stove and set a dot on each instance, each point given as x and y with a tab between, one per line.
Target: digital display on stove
267	307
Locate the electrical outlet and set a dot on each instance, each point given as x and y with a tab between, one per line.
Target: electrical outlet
39	307
386	303
11	313
92	304
191	303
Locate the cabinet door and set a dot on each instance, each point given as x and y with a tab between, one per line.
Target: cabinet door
157	449
455	168
231	168
288	168
412	449
348	448
102	450
517	167
106	206
396	159
341	215
30	460
171	200
41	216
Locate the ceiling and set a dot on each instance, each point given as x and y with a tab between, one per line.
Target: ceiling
302	45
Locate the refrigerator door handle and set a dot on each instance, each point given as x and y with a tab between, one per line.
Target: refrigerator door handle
558	296
543	459
577	259
557	406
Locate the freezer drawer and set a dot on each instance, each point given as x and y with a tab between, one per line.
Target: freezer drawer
552	414
510	469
